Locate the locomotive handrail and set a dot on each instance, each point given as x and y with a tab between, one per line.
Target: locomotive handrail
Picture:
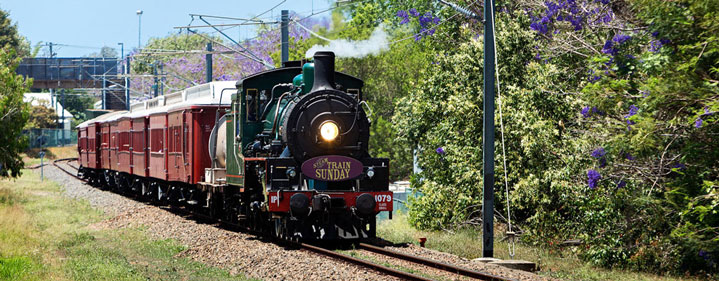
277	111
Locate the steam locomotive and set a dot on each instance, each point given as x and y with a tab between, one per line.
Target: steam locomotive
284	151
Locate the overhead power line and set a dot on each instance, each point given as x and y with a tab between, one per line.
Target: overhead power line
227	18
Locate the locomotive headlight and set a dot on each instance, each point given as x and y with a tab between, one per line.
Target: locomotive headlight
291	172
370	172
329	130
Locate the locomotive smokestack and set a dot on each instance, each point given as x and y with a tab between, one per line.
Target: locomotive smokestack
324	71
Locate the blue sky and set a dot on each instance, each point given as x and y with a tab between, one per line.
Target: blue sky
88	25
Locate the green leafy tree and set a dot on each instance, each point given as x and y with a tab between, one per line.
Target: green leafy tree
8	32
105	52
76	103
42	117
13	114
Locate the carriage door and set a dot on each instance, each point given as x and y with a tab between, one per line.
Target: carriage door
175	154
187	143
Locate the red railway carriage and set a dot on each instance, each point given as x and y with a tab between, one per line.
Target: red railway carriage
164	138
188	127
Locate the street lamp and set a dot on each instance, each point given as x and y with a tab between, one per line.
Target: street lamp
139	27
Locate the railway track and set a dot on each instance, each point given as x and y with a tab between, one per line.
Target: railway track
337	255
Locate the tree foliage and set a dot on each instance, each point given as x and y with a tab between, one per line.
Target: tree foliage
13	111
610	113
77	102
9	37
42	117
13	114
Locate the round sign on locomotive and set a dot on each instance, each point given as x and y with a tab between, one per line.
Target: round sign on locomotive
284	151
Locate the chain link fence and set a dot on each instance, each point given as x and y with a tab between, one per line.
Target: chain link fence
50	137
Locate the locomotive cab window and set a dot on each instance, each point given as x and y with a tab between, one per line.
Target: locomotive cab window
252	99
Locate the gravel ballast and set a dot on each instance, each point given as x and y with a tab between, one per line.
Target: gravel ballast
243	253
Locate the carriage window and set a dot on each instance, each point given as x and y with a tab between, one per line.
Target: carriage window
156	138
138	141
251	99
124	141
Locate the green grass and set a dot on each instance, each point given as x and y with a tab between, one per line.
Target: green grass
561	263
44	236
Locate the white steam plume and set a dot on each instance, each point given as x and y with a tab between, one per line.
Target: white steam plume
344	48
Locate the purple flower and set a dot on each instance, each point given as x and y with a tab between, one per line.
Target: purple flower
440	151
544	20
413	12
403	15
621	38
593	178
704	254
632	111
599	152
644	93
679	166
585	112
607	18
654	46
698	123
706	110
608	47
538	27
621	184
602	162
595	110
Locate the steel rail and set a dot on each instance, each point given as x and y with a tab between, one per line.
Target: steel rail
364	263
54	163
433	263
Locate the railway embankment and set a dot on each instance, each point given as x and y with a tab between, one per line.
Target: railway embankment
150	239
63	228
44	235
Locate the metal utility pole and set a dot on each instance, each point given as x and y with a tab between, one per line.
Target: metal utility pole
488	128
52	91
285	36
124	71
154	74
62	127
127	80
162	80
208	63
139	28
488	133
